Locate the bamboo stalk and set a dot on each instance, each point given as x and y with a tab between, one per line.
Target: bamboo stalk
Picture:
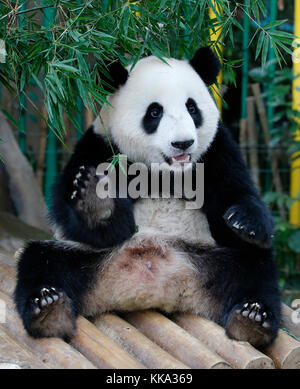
100	349
136	344
176	341
14	353
240	355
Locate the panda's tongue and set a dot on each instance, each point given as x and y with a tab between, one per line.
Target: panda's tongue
181	158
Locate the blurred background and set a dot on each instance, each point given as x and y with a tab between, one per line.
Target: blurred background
51	57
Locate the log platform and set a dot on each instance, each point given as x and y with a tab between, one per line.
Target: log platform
139	340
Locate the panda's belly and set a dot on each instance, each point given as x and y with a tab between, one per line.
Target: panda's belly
169	217
152	270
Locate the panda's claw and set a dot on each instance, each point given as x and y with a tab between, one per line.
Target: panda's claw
48	297
254	312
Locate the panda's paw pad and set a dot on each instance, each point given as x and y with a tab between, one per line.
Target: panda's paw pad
255	312
248	226
50	314
250	322
84	181
46	299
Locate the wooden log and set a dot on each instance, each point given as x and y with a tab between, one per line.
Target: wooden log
176	340
285	351
12	352
7	278
240	355
136	344
51	351
287	321
100	349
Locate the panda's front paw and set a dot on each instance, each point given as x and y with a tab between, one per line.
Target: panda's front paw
85	181
251	222
49	313
85	199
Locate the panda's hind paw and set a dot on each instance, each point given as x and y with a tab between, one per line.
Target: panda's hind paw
49	313
250	322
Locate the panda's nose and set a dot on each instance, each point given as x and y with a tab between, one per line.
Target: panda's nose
182	145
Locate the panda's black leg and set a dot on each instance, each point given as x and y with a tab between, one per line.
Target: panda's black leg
52	279
244	284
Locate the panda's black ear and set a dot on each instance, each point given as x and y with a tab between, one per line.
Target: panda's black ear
115	75
206	64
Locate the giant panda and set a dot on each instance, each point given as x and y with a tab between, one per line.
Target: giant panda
125	254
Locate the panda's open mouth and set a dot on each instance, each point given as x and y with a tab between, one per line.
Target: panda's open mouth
182	158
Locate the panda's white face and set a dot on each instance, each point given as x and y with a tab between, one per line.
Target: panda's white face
164	112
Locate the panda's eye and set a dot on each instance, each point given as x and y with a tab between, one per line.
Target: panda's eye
155	112
191	108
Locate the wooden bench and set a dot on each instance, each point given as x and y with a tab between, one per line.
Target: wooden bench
138	340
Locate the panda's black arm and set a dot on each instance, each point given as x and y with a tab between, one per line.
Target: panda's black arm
77	218
236	214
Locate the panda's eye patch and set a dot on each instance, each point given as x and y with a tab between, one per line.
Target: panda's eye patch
152	117
194	111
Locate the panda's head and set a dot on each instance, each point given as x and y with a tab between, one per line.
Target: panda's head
162	111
